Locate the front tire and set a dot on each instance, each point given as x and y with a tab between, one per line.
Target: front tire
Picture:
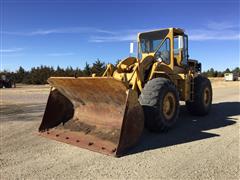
202	97
160	102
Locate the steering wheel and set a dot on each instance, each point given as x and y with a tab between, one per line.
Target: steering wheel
158	56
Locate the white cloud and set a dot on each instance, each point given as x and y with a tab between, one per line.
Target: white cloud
221	25
12	50
203	35
13	54
215	31
61	54
210	31
69	30
118	36
114	38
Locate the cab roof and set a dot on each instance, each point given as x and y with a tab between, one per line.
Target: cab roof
175	30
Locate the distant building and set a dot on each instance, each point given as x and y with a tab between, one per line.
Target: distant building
231	76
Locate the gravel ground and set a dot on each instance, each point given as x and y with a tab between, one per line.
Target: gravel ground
197	147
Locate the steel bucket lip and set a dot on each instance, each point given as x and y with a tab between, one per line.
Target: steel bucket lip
82	140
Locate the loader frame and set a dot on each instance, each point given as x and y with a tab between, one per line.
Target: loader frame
108	114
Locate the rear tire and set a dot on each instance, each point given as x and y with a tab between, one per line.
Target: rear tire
160	102
202	97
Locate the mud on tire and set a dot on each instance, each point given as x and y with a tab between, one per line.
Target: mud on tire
160	102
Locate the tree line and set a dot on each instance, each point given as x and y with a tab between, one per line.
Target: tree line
214	73
39	75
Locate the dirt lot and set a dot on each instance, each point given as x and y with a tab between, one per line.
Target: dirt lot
197	148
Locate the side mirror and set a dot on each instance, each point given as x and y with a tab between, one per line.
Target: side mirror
180	42
131	48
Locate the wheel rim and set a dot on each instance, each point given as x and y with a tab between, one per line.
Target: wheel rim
169	105
206	96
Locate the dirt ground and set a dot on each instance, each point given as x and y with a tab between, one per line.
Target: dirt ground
196	148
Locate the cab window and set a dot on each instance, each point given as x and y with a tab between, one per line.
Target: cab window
181	44
164	51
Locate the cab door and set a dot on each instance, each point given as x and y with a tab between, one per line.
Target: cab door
181	50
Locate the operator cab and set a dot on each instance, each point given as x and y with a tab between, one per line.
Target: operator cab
169	46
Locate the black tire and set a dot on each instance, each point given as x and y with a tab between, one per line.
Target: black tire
152	100
202	97
8	84
1	84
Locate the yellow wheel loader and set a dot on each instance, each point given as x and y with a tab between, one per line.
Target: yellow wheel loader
107	114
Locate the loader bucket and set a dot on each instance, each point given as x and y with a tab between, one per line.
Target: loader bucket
99	114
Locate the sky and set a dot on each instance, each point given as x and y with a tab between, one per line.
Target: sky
73	32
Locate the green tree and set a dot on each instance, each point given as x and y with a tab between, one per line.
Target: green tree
59	72
20	74
98	67
79	72
236	70
87	70
227	70
69	72
211	73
